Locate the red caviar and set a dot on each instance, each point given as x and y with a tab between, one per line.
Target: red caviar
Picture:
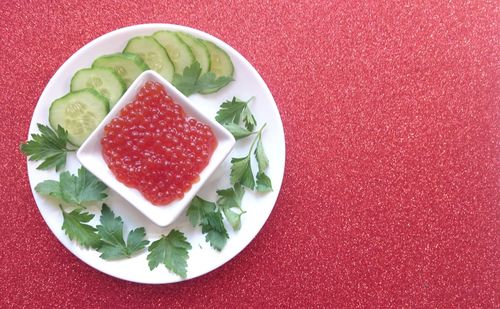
154	147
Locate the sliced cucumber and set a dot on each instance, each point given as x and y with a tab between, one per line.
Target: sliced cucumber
178	51
220	64
79	112
153	54
200	51
128	66
105	81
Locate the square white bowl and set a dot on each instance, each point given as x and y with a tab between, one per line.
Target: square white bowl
90	153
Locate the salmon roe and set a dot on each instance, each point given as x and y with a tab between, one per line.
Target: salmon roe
154	147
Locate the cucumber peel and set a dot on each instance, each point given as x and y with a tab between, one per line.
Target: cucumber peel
220	65
153	54
200	51
178	51
103	80
128	66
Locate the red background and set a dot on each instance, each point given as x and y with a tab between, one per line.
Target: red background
392	120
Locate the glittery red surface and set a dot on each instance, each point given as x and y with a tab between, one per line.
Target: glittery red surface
392	119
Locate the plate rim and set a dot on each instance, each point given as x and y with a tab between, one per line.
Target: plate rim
157	26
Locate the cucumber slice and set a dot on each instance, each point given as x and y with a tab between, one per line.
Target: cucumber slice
220	64
153	54
128	66
200	51
79	112
105	81
178	51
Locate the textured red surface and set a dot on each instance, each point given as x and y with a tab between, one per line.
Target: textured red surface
391	193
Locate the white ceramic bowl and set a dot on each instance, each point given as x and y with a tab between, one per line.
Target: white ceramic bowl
90	153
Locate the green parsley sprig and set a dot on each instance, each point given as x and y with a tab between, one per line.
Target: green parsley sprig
113	245
263	181
76	227
107	237
208	216
172	251
229	200
50	146
192	82
241	169
74	189
232	113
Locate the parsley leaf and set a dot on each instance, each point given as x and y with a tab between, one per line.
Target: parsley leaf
171	251
237	131
260	155
248	118
111	233
241	168
191	82
241	172
231	112
198	210
74	226
230	199
74	189
209	81
136	241
263	183
233	218
49	188
82	188
186	82
214	228
49	146
208	216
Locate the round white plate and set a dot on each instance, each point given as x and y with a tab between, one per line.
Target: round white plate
258	206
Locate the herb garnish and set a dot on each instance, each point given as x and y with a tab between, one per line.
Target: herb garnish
49	146
74	189
192	82
111	233
171	251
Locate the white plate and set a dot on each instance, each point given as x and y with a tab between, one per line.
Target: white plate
202	258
